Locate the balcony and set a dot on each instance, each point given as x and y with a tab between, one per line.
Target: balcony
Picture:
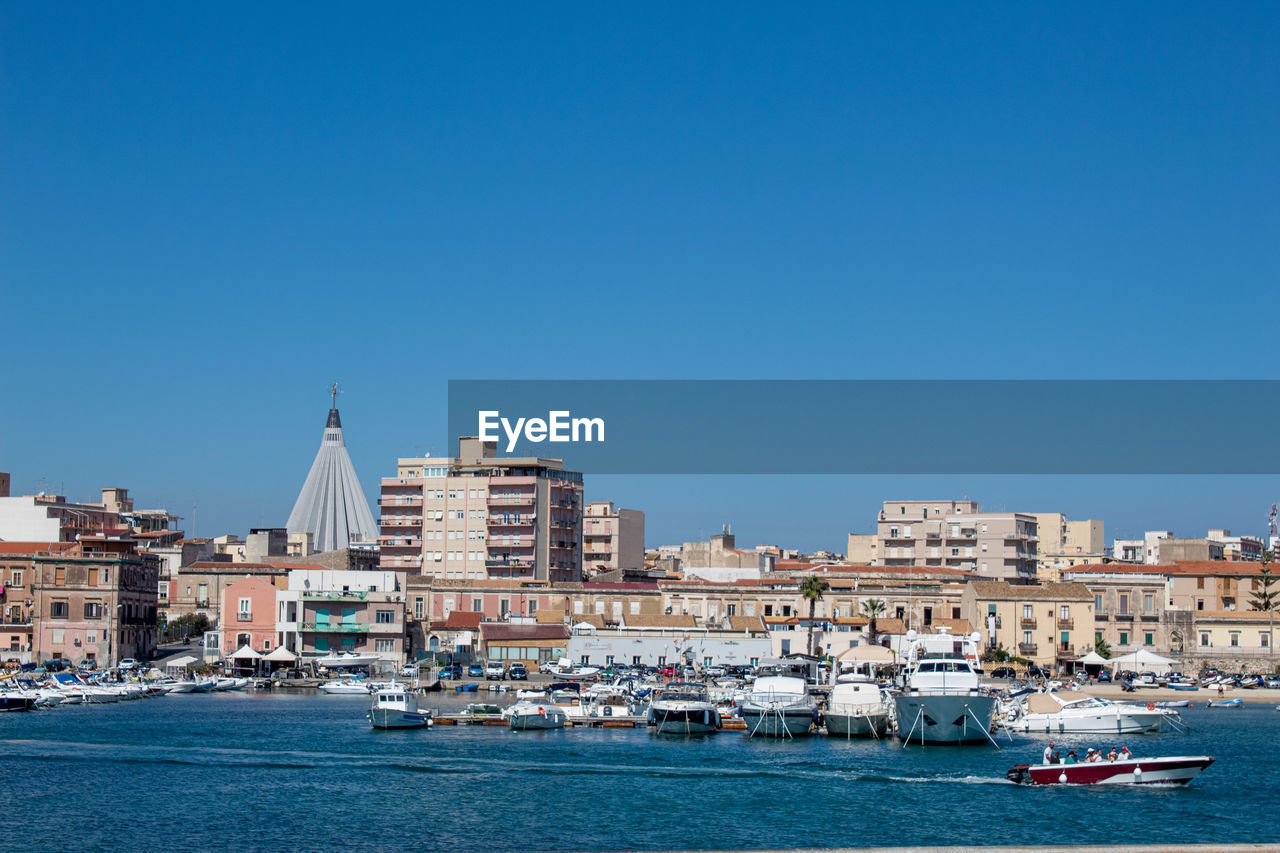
336	595
1100	617
244	617
400	521
1028	622
335	627
1123	617
507	564
510	500
1026	648
1066	624
511	521
400	500
1149	617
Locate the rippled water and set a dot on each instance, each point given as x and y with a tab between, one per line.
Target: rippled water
244	771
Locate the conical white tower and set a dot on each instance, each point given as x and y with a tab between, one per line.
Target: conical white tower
331	506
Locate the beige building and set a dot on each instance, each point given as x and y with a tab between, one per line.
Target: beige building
1064	544
956	534
1048	624
1133	608
861	550
612	538
479	516
1239	633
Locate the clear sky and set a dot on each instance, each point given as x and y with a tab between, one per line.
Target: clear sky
212	211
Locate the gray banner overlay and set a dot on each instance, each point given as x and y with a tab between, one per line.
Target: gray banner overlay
879	426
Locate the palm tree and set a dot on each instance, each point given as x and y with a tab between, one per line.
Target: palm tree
812	588
873	607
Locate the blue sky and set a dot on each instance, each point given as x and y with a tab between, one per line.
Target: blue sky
212	212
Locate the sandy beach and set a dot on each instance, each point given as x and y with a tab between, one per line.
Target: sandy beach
1160	694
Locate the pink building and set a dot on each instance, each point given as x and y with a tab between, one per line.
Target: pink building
249	615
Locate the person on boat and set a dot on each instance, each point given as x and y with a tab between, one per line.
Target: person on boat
1048	753
1112	755
1125	754
1071	757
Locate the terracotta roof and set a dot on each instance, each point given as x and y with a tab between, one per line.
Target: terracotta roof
459	620
1194	568
659	620
856	621
35	547
621	585
1003	591
890	625
549	617
593	619
507	631
958	627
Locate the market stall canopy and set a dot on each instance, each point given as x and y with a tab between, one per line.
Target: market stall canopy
1093	659
245	652
868	654
281	654
1141	659
179	663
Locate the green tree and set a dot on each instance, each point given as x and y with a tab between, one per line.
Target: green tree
811	589
1265	598
1103	648
873	608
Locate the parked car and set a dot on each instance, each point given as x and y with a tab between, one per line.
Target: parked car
667	672
127	664
452	670
409	670
713	671
1104	677
475	670
1272	681
1004	672
494	670
517	672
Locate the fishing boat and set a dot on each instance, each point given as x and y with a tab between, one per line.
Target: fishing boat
1052	713
941	701
1174	770
1225	703
856	709
684	708
524	716
469	687
396	708
565	669
779	706
345	688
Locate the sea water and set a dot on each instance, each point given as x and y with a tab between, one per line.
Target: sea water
270	772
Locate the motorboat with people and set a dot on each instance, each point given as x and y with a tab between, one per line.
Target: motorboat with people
941	701
856	709
394	707
524	716
1053	713
684	708
779	706
1172	770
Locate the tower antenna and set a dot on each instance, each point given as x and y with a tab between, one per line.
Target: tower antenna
334	391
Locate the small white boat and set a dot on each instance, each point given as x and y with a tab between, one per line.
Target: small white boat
348	659
345	688
1050	713
565	669
524	716
396	708
1174	770
856	709
535	695
685	709
779	706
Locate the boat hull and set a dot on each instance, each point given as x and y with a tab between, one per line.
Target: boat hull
16	703
1151	771
875	724
944	720
387	718
538	721
767	722
685	721
1111	722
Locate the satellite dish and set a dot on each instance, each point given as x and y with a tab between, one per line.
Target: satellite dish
911	635
976	637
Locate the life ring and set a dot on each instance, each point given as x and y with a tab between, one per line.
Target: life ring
1151	706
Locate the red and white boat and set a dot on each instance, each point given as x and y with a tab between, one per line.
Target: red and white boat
1173	770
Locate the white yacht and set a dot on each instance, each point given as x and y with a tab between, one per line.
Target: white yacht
345	687
1052	713
535	715
396	708
941	701
856	709
684	708
778	706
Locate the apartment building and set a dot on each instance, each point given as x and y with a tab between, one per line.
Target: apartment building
52	518
612	538
958	535
1064	543
1237	547
92	601
1133	607
862	549
323	612
1048	624
249	614
478	516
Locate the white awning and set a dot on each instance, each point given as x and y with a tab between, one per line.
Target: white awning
281	654
179	663
245	652
869	654
1093	659
1142	658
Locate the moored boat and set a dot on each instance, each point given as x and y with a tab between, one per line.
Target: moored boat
1173	770
778	706
524	716
856	709
684	708
1053	713
941	701
396	708
1225	703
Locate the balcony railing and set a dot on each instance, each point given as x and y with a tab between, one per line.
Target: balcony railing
1124	617
1028	622
1027	648
510	500
244	617
1066	624
336	627
336	595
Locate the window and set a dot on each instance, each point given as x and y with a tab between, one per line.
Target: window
1264	641
1204	639
93	577
1124	638
608	660
635	660
1149	639
1026	637
1199	583
635	608
59	635
731	610
749	609
599	606
417	607
58	610
1124	603
1065	639
1234	640
577	606
244	612
1148	603
384	645
385	617
93	610
477	605
1064	613
60	576
1026	611
768	610
17	577
1097	602
1097	637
